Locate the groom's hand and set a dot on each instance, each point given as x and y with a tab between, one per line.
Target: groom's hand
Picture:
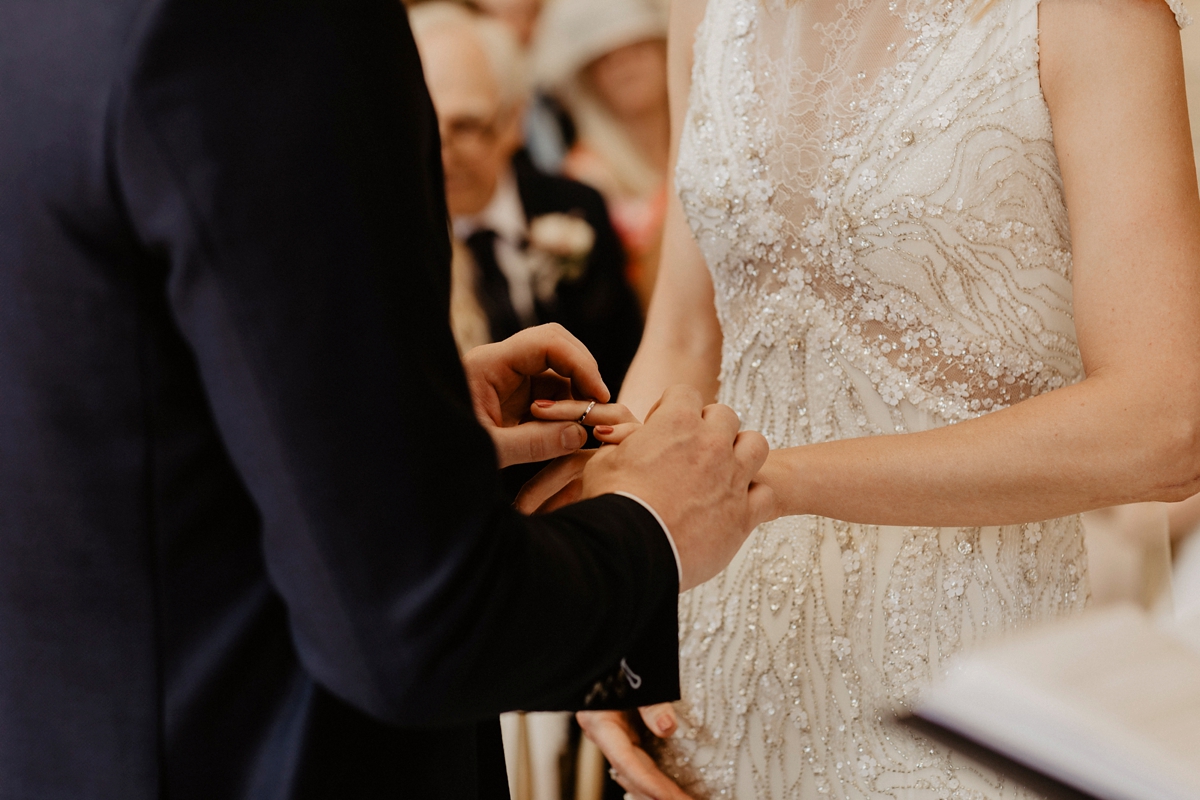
542	363
691	464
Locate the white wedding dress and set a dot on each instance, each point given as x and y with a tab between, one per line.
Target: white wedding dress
875	189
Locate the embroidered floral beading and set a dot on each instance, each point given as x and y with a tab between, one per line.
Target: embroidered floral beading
874	186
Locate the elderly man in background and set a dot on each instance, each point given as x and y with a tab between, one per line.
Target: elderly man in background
520	16
542	249
543	246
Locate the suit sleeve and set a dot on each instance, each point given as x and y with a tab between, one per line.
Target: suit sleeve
279	162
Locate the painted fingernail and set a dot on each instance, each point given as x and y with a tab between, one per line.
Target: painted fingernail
603	430
544	403
664	724
573	437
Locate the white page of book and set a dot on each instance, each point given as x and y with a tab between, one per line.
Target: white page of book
1106	702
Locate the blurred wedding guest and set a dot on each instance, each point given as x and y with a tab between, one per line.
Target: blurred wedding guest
543	247
549	131
1184	520
606	61
1129	555
519	15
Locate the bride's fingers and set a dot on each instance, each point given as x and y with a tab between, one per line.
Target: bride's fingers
574	410
615	434
550	481
660	719
634	769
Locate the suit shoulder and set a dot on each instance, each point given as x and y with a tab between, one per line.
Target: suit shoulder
545	194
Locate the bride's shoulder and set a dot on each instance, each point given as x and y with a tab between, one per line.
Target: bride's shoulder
1099	55
1099	7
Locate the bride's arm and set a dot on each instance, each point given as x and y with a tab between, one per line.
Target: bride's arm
682	339
681	344
1113	78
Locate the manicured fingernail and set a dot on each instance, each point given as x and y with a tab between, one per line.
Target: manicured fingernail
544	403
603	430
573	437
664	724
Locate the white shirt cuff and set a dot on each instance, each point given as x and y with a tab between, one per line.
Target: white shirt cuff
663	525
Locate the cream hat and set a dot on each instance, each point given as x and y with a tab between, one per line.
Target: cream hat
573	33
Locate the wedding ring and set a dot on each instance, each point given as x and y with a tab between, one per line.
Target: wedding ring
591	405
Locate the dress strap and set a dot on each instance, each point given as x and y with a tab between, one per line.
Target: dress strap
1181	13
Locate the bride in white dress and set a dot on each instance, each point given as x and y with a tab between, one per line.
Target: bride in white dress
895	241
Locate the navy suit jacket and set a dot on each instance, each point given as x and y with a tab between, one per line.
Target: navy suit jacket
251	539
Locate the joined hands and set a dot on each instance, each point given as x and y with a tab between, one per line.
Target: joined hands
544	363
688	461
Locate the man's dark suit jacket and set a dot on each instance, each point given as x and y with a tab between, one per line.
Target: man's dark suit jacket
598	306
250	540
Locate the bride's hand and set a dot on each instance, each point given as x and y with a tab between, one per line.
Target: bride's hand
559	483
546	363
632	766
611	423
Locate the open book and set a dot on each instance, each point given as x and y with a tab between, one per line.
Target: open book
1108	703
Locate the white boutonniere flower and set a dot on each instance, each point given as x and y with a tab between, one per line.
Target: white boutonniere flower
560	245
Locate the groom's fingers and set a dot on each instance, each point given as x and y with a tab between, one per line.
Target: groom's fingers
531	442
677	399
750	450
635	770
550	481
569	495
722	418
534	350
660	719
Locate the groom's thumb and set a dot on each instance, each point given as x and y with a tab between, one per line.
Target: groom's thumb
531	442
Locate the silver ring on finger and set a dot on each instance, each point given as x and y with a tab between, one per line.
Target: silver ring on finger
591	405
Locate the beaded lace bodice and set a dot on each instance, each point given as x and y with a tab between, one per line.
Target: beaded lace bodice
874	186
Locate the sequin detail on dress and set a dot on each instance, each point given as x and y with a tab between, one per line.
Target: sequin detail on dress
874	186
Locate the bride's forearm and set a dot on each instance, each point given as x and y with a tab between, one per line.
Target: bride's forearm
682	340
1096	444
659	365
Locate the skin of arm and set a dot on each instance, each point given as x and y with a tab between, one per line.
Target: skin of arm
1112	76
682	339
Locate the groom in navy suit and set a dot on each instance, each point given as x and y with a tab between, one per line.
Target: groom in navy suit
251	540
